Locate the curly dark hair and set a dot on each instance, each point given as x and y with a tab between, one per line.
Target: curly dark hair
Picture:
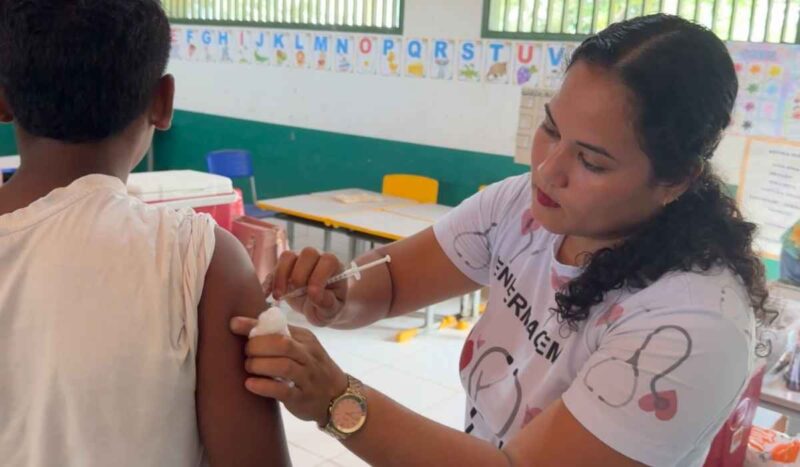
683	87
81	70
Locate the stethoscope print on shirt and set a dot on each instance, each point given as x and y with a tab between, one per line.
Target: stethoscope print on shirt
665	402
496	389
529	228
463	240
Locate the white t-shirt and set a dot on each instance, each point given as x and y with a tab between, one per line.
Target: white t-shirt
98	329
653	373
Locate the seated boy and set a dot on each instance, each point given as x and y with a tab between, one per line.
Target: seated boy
114	341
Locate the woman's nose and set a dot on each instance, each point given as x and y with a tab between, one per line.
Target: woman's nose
553	170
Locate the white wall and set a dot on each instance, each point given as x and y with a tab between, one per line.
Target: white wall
470	116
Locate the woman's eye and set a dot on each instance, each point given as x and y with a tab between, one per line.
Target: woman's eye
589	166
550	131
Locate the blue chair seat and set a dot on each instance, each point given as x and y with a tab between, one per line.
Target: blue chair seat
237	163
254	211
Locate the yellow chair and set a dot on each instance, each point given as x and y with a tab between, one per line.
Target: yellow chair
423	190
415	187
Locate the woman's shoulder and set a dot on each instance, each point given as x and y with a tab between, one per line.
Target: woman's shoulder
494	207
705	315
700	288
718	294
507	200
511	188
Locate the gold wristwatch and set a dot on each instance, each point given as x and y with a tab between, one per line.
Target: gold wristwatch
347	413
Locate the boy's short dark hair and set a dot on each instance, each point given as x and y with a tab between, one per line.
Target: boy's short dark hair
81	70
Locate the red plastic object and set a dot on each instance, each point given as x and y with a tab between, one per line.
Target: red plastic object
225	214
730	445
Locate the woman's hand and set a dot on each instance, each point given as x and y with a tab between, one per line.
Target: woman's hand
300	359
321	305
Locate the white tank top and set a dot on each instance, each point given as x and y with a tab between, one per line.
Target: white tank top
98	329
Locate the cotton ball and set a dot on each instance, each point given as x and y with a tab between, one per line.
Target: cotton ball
271	321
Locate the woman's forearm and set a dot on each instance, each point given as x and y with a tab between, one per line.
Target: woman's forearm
420	274
368	299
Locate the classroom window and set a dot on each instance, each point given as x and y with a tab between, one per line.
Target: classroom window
381	16
740	20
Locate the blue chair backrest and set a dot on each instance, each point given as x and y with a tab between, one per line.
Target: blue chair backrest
231	163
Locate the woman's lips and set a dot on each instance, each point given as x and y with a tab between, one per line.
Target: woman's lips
545	200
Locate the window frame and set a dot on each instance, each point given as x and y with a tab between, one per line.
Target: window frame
523	36
541	36
397	30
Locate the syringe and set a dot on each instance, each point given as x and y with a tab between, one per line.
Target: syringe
354	271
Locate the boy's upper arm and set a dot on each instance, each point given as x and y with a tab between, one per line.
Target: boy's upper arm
236	427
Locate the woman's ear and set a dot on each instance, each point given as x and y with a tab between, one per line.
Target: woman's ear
674	191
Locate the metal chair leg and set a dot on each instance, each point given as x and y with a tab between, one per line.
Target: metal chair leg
253	191
428	318
326	240
353	247
476	303
290	233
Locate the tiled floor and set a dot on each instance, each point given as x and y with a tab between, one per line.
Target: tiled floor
421	374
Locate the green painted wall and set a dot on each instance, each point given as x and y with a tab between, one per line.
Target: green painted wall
8	144
291	160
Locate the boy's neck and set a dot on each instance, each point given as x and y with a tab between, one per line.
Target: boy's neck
66	163
47	164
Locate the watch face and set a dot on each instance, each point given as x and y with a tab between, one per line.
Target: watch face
349	414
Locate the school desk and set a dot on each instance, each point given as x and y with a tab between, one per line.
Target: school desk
428	212
358	211
323	208
9	164
367	217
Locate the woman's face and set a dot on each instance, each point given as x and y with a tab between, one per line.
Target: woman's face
590	177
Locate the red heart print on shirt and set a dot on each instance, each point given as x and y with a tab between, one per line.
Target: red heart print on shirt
529	224
530	414
611	316
466	354
664	404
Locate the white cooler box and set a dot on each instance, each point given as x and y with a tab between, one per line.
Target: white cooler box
181	188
